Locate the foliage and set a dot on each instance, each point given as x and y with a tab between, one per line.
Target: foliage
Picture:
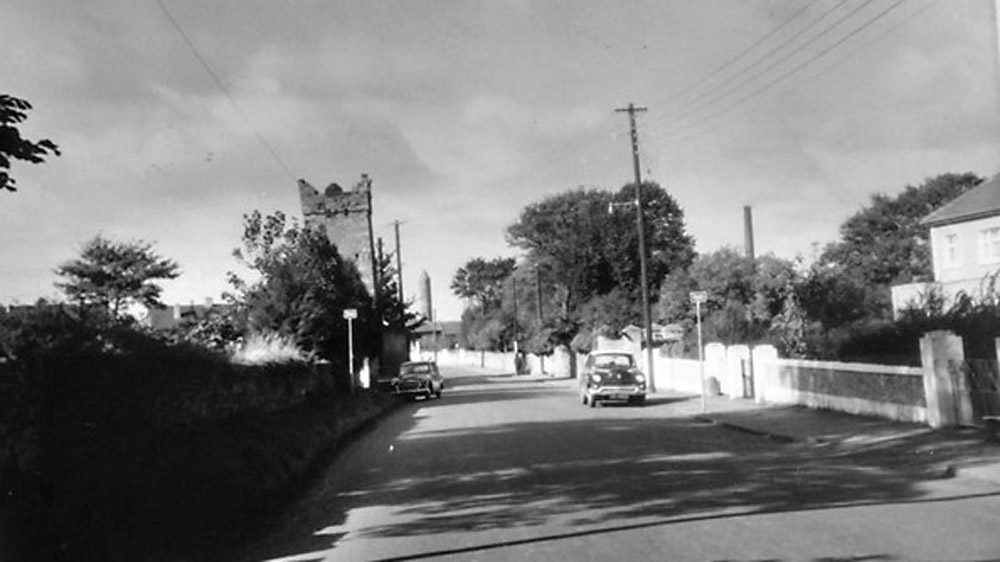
590	251
554	332
836	296
113	275
13	112
219	329
481	281
744	295
303	288
609	313
392	310
146	442
261	349
790	328
885	242
487	331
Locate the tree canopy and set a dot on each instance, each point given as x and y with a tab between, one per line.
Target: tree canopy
303	288
115	274
744	295
590	247
13	111
884	243
481	281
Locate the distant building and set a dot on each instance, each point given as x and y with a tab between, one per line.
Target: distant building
438	335
179	314
965	247
346	218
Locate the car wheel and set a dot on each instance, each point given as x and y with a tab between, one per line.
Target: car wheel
638	400
437	394
593	401
583	398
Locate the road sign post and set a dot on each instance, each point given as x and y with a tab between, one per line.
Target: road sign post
698	297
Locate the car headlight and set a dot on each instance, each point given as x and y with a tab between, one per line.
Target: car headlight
394	381
639	377
595	378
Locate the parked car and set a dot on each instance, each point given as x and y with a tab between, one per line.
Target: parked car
612	376
418	378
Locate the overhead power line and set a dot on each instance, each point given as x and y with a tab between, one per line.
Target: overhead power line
801	66
711	100
225	91
712	114
692	130
746	51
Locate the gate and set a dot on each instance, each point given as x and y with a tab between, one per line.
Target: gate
979	380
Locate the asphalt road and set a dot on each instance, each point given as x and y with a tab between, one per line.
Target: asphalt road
506	469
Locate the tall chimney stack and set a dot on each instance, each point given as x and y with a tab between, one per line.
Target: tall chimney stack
748	231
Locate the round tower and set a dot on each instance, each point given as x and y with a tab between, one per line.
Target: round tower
424	304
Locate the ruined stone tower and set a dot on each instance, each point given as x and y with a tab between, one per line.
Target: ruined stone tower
346	217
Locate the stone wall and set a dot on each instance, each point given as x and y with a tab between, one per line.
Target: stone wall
891	392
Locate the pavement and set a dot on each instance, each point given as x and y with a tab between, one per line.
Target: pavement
943	453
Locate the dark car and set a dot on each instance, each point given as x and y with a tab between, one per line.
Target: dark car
612	376
418	378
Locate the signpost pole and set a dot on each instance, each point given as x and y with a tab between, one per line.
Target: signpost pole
699	297
350	314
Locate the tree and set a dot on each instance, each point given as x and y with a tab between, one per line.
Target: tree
885	242
591	249
392	310
13	112
115	274
481	281
744	295
303	288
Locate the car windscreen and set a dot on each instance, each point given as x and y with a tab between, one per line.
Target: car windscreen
414	369
607	361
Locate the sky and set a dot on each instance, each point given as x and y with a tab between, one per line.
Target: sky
177	117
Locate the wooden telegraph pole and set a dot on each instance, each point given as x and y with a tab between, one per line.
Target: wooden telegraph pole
640	224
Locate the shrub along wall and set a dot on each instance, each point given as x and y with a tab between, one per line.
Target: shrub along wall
114	443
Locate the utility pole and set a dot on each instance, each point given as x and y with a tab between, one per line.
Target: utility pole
513	288
640	224
538	297
399	270
541	317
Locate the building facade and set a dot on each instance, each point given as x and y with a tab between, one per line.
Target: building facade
965	248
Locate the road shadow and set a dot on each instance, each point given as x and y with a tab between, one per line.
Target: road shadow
599	474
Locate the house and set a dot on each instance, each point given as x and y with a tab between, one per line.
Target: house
965	248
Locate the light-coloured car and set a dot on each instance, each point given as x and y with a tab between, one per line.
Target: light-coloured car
418	378
612	376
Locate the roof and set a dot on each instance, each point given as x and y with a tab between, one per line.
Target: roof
979	202
447	328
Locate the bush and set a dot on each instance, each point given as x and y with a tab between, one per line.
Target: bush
106	430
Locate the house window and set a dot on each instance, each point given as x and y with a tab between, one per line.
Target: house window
951	255
989	245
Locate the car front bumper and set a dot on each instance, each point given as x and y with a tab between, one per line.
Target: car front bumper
616	392
412	390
